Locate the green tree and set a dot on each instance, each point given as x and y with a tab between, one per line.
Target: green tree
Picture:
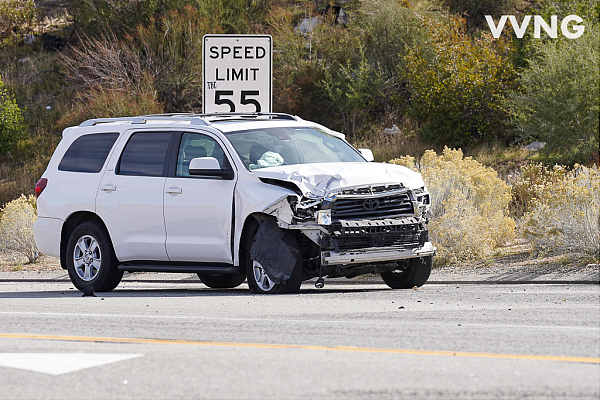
354	89
12	127
457	94
559	99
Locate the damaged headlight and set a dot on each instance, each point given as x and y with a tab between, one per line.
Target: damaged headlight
424	201
324	217
304	209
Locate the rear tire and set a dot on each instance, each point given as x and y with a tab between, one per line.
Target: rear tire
90	258
221	280
415	275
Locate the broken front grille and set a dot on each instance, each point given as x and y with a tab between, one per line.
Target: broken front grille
394	205
398	234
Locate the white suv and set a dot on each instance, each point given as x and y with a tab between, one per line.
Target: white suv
270	198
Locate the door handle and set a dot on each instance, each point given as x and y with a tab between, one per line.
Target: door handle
108	187
173	190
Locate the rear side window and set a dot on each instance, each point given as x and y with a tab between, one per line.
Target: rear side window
88	153
145	154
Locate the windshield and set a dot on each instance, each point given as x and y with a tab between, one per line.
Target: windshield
270	147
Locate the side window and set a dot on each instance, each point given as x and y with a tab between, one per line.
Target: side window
198	145
145	154
88	153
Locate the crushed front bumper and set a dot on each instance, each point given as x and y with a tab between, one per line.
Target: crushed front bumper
374	256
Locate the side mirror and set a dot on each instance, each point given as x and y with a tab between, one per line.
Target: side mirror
367	154
209	167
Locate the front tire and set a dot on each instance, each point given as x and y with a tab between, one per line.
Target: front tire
259	281
415	275
91	259
221	280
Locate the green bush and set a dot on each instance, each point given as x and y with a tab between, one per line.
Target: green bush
457	94
17	18
389	29
234	16
558	102
354	90
12	126
300	62
474	11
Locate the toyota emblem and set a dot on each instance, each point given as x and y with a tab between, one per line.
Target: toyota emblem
371	204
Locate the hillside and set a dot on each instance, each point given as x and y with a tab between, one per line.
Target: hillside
399	77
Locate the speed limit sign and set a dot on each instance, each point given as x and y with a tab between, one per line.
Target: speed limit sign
237	73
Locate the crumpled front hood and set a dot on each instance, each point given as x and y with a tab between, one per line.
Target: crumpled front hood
319	179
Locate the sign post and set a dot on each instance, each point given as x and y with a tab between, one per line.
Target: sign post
237	72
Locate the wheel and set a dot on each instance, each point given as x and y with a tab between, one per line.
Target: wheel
221	280
413	276
91	259
260	283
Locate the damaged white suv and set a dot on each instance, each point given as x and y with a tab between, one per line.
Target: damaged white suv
270	198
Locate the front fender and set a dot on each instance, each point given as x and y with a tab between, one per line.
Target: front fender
254	196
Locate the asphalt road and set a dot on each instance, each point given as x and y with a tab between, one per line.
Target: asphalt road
170	337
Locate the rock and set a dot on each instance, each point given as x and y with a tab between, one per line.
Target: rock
535	146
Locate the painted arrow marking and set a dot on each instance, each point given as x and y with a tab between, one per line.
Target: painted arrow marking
58	364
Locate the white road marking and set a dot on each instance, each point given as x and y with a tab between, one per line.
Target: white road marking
58	364
241	319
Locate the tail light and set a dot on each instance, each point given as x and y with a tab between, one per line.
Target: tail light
39	187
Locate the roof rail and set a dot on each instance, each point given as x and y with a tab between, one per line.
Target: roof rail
194	118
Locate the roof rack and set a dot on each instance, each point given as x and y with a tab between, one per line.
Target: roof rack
194	118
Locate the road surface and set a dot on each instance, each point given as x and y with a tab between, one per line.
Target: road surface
167	336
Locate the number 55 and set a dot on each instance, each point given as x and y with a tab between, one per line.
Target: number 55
243	99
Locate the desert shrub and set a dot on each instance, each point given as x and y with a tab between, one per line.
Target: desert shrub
469	205
165	53
565	214
100	102
12	126
106	62
170	50
124	16
16	227
119	16
528	184
457	94
110	81
16	19
559	99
